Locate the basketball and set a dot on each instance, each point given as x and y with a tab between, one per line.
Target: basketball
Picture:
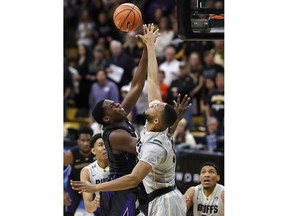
127	17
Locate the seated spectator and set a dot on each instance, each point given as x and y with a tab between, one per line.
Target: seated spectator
133	47
182	135
170	66
85	30
103	89
98	62
214	135
216	100
211	68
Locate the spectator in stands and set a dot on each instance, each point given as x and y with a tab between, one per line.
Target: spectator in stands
103	89
82	97
183	85
163	87
77	157
165	38
170	66
70	23
219	52
123	63
105	30
85	30
133	47
195	67
68	87
207	89
98	62
182	135
97	6
216	101
211	68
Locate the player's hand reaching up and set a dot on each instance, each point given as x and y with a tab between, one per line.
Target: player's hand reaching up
181	106
82	186
149	35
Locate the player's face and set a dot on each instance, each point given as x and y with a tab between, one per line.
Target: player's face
84	142
209	177
99	150
114	110
154	111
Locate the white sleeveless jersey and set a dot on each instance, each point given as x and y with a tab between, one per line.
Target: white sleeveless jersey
208	206
97	174
156	149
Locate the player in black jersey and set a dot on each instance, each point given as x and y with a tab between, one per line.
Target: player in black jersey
120	141
77	157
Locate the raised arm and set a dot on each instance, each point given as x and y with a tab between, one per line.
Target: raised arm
189	193
180	107
138	81
153	84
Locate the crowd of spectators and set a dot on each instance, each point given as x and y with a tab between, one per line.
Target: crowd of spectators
99	61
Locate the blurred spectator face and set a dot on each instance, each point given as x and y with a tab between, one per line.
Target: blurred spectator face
212	126
209	83
209	58
194	59
101	77
169	54
131	37
102	18
219	44
81	50
210	4
85	15
219	5
116	48
220	80
97	54
161	76
183	71
163	25
158	13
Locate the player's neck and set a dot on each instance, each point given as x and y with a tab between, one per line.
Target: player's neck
209	191
102	164
154	128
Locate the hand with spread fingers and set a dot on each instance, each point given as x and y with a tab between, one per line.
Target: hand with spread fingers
149	35
83	186
182	106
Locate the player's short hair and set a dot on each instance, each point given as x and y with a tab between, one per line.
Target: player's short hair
94	139
85	130
208	163
169	115
99	112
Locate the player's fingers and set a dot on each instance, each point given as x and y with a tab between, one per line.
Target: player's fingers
152	27
139	36
175	104
178	98
156	31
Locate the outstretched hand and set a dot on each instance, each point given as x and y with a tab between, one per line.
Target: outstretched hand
149	35
82	186
182	106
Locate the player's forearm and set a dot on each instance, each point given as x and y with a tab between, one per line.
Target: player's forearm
90	206
153	83
122	183
141	72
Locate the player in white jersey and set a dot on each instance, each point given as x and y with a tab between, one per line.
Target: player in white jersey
208	197
95	173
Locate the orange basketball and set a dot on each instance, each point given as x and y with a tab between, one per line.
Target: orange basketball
127	17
